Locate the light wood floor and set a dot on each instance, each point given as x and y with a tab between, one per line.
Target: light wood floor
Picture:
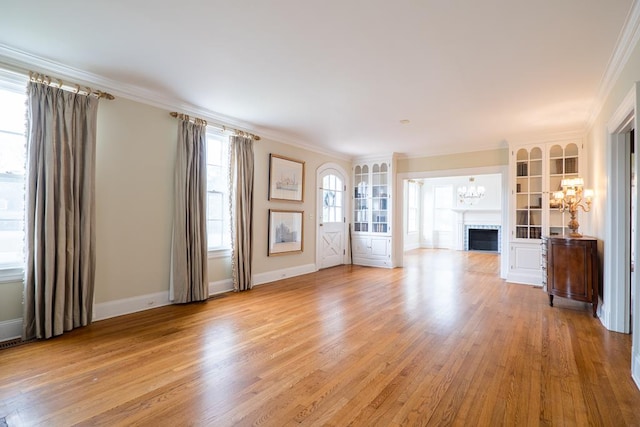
442	341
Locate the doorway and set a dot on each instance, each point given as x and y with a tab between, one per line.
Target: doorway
446	226
331	218
620	287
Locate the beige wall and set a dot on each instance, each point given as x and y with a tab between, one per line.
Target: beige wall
134	201
10	301
597	140
262	149
134	194
474	159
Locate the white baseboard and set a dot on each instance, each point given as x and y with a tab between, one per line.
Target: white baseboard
124	306
10	329
272	276
220	287
106	310
412	247
525	279
635	368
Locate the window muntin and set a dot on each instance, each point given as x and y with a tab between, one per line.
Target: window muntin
332	197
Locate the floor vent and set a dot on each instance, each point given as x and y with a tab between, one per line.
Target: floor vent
11	343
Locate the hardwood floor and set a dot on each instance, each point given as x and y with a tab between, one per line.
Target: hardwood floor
442	341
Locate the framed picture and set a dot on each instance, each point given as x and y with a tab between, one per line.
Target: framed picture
285	232
286	178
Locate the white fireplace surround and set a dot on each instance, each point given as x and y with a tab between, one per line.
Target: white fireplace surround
468	227
485	219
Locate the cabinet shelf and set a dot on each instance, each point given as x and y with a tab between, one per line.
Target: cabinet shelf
537	170
372	243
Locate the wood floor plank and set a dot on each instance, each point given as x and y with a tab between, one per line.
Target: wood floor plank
442	341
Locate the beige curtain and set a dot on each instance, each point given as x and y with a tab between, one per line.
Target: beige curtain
189	280
241	194
60	211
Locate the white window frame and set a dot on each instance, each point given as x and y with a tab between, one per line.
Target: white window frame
223	164
13	82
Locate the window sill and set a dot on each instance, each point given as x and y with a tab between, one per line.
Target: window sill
219	253
11	275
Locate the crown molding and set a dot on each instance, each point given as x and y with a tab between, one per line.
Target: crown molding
447	152
20	62
565	136
627	41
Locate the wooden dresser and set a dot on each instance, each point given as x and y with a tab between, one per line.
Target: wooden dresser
570	268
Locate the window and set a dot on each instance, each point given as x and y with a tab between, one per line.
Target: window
218	225
413	200
12	172
332	196
443	215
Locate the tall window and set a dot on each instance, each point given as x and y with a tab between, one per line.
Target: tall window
413	200
12	172
443	203
218	229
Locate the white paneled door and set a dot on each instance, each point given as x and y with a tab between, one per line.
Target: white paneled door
332	221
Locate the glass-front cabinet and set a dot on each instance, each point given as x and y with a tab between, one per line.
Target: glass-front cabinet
528	219
361	198
536	172
563	163
372	213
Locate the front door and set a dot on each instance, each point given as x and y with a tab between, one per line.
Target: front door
331	224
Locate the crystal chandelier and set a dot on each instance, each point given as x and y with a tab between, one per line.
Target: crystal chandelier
471	194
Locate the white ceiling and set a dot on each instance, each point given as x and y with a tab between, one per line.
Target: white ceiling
339	75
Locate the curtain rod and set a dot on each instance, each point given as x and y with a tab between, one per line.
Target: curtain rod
221	127
84	90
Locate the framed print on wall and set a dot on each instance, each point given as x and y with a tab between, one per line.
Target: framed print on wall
286	178
285	232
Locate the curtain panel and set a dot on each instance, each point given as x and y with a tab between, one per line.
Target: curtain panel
189	254
241	166
60	211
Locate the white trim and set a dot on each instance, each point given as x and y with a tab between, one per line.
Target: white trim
272	276
13	81
625	45
220	287
525	279
109	309
412	247
538	138
11	275
10	329
616	274
19	61
616	311
219	253
635	366
620	117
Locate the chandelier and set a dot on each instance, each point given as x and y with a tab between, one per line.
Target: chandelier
471	194
573	196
